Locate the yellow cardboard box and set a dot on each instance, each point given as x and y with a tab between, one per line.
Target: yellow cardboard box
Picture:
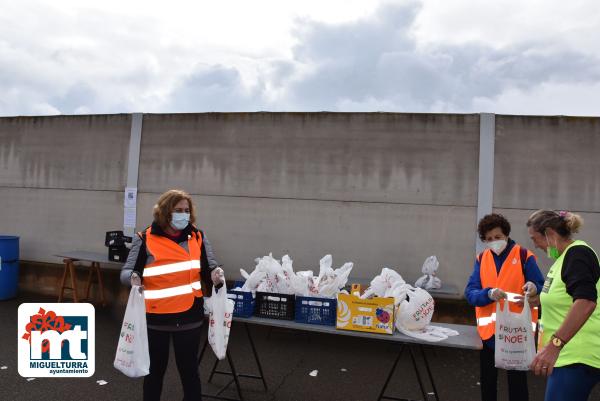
375	315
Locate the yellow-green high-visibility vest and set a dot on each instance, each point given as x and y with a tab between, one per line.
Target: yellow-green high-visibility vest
584	347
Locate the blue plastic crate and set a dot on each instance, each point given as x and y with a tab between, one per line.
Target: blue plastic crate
244	303
314	310
238	283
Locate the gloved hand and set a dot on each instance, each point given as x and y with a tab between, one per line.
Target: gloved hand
135	279
217	276
496	294
530	289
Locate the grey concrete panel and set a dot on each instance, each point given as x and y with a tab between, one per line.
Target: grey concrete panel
372	235
71	152
518	220
54	220
381	157
547	162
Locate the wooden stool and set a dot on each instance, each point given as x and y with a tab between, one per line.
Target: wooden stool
70	269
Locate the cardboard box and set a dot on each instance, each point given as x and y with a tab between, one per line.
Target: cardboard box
375	315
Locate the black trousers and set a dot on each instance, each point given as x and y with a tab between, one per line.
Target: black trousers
517	380
186	344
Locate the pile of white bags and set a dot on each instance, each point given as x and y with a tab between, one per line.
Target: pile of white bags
413	306
272	276
429	280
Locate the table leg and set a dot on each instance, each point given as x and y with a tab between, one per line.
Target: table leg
89	282
387	381
262	376
100	283
233	373
435	392
235	376
212	371
73	280
63	280
414	363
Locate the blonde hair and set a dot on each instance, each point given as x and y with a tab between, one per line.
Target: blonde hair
166	203
563	222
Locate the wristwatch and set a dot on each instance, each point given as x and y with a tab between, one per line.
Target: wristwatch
557	342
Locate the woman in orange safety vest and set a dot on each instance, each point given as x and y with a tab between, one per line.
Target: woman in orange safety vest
171	259
504	268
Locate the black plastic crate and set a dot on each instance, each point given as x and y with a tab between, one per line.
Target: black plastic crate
116	239
118	253
275	306
313	310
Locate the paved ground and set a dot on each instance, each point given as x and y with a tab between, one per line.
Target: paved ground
348	368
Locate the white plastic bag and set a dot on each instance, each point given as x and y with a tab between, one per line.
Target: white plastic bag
220	317
303	284
382	284
416	310
330	281
414	313
429	280
132	357
515	344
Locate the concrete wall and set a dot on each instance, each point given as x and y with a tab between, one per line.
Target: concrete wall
62	180
550	163
378	189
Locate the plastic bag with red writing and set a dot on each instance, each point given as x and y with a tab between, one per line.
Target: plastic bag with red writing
132	357
219	318
515	344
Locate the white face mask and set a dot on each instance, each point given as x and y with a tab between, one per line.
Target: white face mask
179	221
497	246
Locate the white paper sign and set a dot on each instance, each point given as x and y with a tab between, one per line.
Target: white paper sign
129	217
130	197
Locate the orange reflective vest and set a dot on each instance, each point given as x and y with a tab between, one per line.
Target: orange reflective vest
172	281
511	280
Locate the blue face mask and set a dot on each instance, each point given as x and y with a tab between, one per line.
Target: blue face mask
179	221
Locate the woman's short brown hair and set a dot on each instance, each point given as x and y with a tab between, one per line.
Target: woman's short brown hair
166	203
491	221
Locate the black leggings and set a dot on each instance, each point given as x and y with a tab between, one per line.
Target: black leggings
517	380
186	344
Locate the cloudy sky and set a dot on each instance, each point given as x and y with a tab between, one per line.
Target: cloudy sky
501	56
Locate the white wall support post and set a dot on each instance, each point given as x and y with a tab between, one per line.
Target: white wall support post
130	201
485	194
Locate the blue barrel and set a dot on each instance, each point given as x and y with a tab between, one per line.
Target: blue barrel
9	266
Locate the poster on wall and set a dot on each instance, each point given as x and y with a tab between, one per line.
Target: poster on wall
130	197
